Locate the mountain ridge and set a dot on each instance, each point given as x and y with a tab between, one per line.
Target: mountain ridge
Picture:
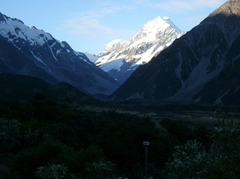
201	66
41	55
15	87
231	7
120	57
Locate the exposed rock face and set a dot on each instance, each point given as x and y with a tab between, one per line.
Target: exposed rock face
231	7
33	52
201	66
120	58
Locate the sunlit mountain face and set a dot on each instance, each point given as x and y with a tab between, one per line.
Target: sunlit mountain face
33	52
121	58
201	66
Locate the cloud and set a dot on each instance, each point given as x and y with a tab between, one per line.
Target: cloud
90	23
178	6
91	26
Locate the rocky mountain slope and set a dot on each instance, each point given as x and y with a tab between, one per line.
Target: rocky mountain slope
33	52
120	58
14	87
201	66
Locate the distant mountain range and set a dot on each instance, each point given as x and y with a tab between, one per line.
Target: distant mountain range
164	64
33	52
120	58
202	66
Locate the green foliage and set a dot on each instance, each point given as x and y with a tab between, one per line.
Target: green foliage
91	145
21	87
191	160
45	136
9	129
224	155
188	160
9	135
31	138
49	150
52	171
102	169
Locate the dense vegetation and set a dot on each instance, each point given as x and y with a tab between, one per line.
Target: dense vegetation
22	87
48	138
55	131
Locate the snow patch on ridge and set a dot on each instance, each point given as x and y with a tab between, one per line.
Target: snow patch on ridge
38	59
13	29
51	49
148	42
113	45
112	65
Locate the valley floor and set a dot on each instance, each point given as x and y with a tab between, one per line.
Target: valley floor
44	138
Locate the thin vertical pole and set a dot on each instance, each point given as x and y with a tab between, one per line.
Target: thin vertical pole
146	161
146	144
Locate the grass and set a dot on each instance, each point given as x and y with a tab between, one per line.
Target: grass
189	114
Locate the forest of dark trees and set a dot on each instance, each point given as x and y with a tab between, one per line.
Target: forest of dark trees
49	138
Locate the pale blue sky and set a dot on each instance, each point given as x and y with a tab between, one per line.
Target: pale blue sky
87	25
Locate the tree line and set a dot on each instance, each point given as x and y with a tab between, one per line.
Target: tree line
48	138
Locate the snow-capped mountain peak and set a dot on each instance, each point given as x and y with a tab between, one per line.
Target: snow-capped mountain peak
202	66
30	51
153	31
169	21
155	25
152	38
112	46
13	29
